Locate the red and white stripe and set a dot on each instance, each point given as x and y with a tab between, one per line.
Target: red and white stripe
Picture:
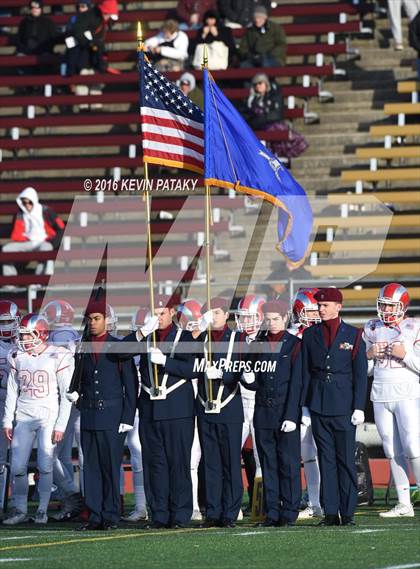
171	137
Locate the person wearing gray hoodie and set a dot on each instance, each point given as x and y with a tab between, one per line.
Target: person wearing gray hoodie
36	227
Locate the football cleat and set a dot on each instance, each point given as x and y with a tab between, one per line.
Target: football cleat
136	516
399	511
310	512
17	517
40	517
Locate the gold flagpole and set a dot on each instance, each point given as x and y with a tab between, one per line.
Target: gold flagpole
207	234
146	197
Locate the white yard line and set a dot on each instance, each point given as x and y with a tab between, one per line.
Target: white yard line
369	530
14	559
407	566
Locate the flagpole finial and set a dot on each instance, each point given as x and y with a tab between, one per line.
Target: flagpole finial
205	63
140	44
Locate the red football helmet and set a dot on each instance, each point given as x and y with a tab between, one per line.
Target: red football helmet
304	303
248	314
189	314
58	312
9	320
139	317
111	319
37	327
392	303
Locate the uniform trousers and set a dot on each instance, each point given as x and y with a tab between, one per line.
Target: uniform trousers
335	438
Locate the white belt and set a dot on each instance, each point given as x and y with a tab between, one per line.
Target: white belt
218	401
168	389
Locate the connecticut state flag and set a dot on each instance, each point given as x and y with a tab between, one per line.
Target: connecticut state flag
235	158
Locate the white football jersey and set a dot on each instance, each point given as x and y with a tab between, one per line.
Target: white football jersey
5	348
248	394
394	379
65	336
296	330
37	384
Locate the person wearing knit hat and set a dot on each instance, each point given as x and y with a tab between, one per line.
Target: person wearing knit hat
107	402
277	379
220	417
335	389
264	43
166	409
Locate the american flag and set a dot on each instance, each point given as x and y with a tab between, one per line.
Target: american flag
172	126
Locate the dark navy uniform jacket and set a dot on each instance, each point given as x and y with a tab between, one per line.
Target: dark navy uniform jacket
179	403
108	390
278	392
335	378
233	412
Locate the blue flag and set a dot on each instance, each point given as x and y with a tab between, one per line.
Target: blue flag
235	158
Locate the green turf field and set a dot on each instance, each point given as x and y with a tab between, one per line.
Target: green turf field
373	544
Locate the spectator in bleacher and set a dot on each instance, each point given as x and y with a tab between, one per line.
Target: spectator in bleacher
264	43
37	35
414	36
191	12
264	111
239	13
169	48
36	227
85	34
411	8
221	49
188	86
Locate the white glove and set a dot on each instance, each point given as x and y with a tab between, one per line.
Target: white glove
306	417
358	417
124	428
205	320
214	373
72	397
288	426
70	42
149	325
156	357
88	35
248	376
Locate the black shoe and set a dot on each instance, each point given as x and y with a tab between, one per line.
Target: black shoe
330	520
155	525
267	523
109	526
210	523
347	521
282	523
179	525
227	523
89	526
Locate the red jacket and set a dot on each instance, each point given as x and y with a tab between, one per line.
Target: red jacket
54	226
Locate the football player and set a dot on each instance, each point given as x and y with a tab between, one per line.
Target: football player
39	377
393	343
60	317
249	317
9	324
304	314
